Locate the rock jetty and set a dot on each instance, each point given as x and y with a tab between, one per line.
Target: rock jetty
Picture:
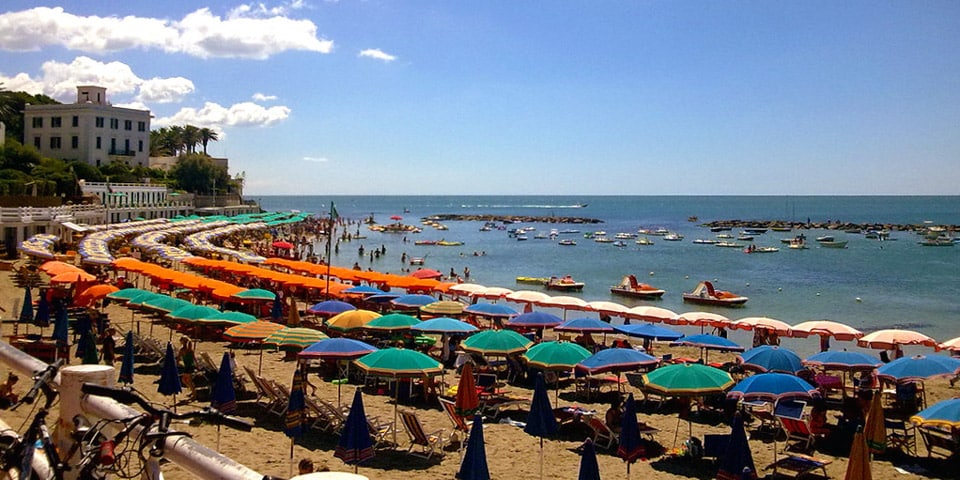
446	217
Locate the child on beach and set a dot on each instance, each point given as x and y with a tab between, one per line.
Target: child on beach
188	360
7	395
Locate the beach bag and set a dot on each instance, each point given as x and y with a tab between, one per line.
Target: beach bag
693	447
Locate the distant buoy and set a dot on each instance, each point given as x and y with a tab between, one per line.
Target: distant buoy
651	274
716	279
748	284
686	277
858	299
818	294
779	289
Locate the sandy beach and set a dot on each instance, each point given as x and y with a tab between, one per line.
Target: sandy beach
510	452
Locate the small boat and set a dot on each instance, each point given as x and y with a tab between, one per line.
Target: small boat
565	283
643	241
521	238
728	245
533	280
625	235
833	244
602	239
425	242
448	243
756	249
780	229
630	287
541	236
673	237
568	242
798	243
937	242
825	238
569	230
417	260
619	243
755	231
705	241
705	294
720	229
745	238
724	235
693	218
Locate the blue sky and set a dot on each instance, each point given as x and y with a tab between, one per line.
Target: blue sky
506	97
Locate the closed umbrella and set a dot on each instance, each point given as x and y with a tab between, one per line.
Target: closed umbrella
26	311
126	363
42	318
294	416
858	464
630	448
474	464
224	396
355	443
467	401
589	468
541	421
875	428
737	457
169	375
61	325
276	310
89	354
767	358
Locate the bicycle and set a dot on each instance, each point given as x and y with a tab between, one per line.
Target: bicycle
17	452
127	453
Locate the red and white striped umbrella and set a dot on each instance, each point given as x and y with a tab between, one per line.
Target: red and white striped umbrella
828	328
700	319
751	323
650	314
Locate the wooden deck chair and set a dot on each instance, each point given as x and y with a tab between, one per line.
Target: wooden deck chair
460	424
799	430
322	417
901	435
282	395
763	411
429	443
382	432
602	435
939	442
264	397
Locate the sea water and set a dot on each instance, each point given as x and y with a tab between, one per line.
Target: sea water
870	284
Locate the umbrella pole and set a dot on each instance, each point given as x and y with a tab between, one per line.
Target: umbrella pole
676	433
541	458
396	401
260	364
291	456
218	437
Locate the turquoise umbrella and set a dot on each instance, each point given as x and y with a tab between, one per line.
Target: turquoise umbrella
496	343
391	322
255	295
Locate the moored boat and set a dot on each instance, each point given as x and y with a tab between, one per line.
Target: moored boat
643	241
705	241
630	287
533	280
565	283
567	242
705	294
728	244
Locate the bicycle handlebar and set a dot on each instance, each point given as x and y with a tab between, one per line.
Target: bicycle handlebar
42	381
127	396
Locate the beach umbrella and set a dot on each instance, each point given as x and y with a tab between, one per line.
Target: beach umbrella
615	360
534	320
330	307
294	416
565	302
700	319
443	325
282	245
737	458
826	328
254	295
26	311
556	355
445	307
541	421
494	310
126	294
423	273
585	325
919	367
474	463
355	443
294	337
630	448
687	379
527	296
413	300
465	289
858	463
608	308
392	322
875	428
765	323
467	401
169	375
768	358
772	387
231	318
382	297
61	325
364	290
351	320
54	267
78	276
650	314
42	317
943	414
843	360
126	363
251	332
92	294
589	468
496	343
892	338
276	309
164	303
338	349
648	331
706	342
492	293
88	354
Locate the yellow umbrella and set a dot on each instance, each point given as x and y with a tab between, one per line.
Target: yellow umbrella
858	465
351	319
875	429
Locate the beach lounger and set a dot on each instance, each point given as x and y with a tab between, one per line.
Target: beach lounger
602	435
901	435
798	429
460	424
939	442
282	395
799	465
428	443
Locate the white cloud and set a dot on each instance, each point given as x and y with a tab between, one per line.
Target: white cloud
165	90
244	114
377	54
260	10
262	97
316	159
247	33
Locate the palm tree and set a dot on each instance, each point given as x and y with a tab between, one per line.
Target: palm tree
207	135
176	139
191	137
8	106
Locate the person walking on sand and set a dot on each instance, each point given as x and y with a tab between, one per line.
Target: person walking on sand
188	360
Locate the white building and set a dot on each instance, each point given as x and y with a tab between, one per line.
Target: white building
90	130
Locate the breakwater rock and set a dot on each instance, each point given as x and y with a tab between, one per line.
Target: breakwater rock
827	225
511	218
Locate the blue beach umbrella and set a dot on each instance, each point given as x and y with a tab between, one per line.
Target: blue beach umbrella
26	311
223	397
649	331
737	457
337	348
630	448
943	414
382	297
474	464
843	360
61	326
920	367
534	320
589	468
585	325
330	307
42	318
541	421
296	408
126	363
169	375
768	358
708	341
444	325
276	312
491	310
615	360
413	300
772	387
364	290
355	444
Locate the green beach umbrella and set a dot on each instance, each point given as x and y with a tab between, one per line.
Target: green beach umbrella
255	295
687	379
164	303
295	337
496	343
231	318
193	313
392	321
138	300
126	294
556	355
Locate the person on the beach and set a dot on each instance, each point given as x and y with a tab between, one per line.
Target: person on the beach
305	466
613	416
188	360
7	395
824	343
108	346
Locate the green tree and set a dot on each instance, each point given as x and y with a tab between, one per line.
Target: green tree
14	155
119	172
87	172
208	135
196	173
191	138
56	177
